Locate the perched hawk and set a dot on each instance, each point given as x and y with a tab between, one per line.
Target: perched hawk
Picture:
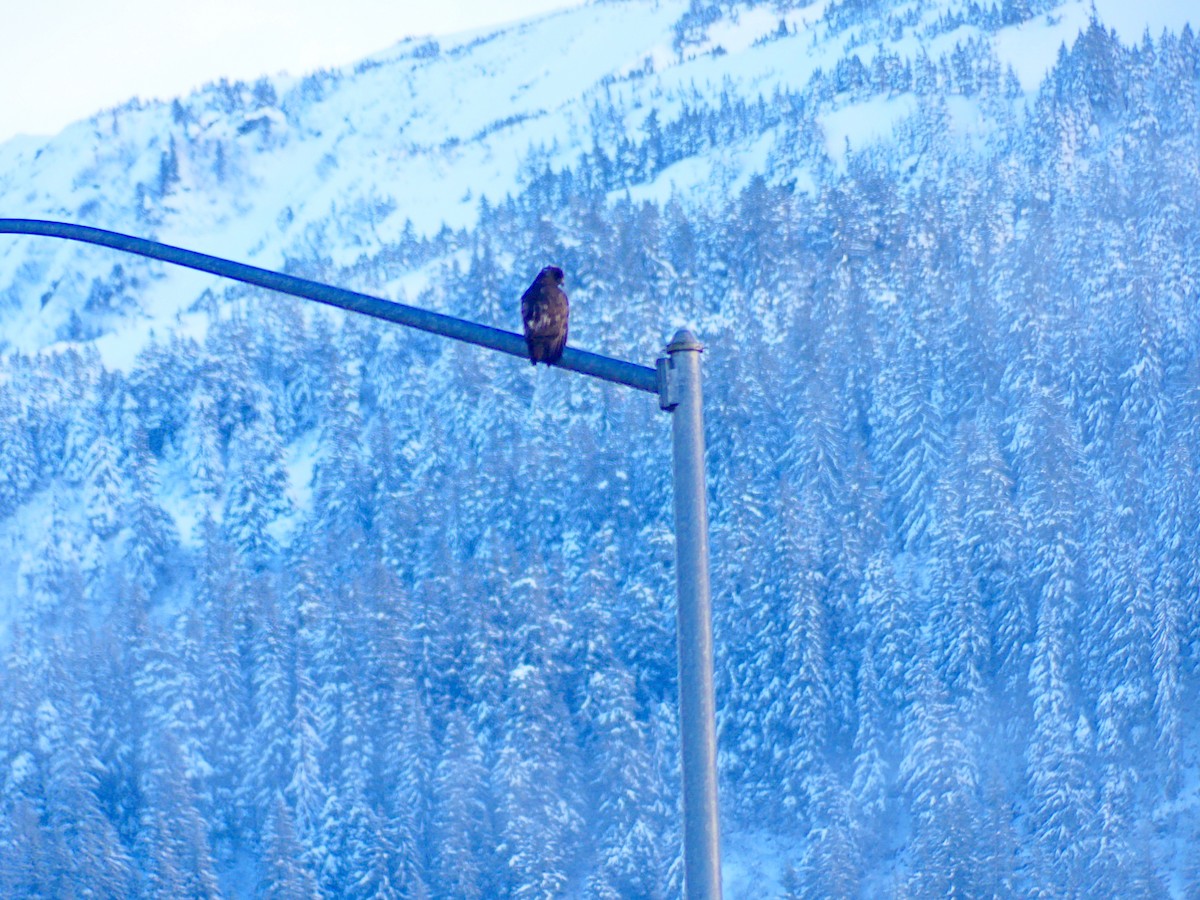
544	312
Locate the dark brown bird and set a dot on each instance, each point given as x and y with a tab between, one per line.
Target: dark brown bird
544	312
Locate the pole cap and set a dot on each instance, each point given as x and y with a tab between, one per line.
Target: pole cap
684	340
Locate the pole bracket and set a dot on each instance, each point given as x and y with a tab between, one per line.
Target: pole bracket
668	379
668	384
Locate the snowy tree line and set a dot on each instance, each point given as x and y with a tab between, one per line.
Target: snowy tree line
309	605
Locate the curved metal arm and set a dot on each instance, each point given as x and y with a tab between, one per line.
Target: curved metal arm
642	378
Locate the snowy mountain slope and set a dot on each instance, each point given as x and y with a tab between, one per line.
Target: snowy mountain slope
337	609
420	133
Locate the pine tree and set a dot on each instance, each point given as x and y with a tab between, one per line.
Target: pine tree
173	847
1060	796
941	781
630	802
284	874
267	745
148	533
104	487
871	780
86	854
27	865
462	829
257	494
536	820
340	482
831	865
305	789
18	463
890	630
411	752
222	682
1169	622
202	443
805	663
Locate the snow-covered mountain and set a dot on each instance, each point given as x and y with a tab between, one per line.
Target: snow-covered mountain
295	602
336	165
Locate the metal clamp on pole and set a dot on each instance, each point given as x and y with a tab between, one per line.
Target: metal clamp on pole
680	392
668	387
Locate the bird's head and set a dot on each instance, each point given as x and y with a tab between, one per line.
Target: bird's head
553	272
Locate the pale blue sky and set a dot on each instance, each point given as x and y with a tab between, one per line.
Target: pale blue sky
61	60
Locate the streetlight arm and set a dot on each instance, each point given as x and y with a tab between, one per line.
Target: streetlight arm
619	371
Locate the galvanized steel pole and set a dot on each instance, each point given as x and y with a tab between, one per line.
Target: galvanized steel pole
680	392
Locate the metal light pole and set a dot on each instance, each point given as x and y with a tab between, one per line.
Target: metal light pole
679	380
677	383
